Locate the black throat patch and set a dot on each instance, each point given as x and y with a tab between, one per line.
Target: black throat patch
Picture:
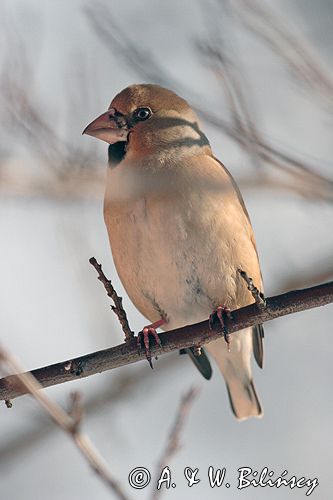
116	153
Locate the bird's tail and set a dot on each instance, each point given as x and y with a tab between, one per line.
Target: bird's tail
236	369
243	398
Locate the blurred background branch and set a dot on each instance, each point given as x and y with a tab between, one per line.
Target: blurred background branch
173	442
71	167
69	422
116	390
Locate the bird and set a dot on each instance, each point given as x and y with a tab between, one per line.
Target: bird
179	230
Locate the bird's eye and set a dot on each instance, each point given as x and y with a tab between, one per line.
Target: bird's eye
142	114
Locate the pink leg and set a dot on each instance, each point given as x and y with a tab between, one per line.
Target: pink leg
146	331
221	312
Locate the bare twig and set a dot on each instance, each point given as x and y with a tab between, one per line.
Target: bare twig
180	338
29	384
173	442
118	301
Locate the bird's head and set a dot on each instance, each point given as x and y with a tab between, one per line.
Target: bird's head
145	120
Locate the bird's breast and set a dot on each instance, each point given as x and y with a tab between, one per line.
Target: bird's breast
174	250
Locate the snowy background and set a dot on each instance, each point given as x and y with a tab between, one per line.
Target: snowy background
66	60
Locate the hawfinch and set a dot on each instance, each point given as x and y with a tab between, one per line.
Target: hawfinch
179	230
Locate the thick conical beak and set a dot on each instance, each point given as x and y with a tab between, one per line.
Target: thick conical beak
106	129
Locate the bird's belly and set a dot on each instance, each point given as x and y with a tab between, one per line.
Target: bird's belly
170	264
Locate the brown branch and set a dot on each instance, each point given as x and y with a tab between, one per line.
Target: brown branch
118	301
173	443
66	422
180	338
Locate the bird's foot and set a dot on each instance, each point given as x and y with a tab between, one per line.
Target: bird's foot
144	336
221	312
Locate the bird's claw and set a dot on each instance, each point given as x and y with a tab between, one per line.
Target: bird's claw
144	335
221	312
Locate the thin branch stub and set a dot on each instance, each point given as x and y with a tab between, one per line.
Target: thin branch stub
256	293
117	308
